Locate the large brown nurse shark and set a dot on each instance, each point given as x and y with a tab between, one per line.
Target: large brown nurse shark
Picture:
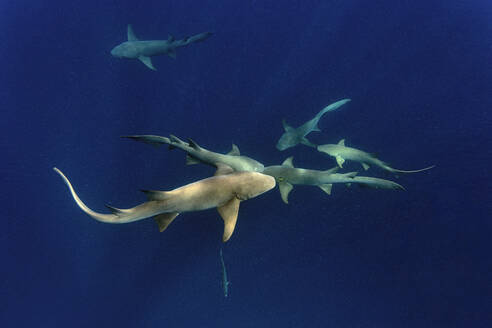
224	191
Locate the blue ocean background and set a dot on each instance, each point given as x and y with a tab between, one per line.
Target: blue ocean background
419	74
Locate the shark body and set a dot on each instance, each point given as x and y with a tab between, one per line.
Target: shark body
294	136
197	154
287	176
343	153
224	191
143	50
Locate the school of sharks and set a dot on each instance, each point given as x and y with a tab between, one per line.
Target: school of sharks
237	177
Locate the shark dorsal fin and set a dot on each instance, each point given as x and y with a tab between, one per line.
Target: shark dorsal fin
234	151
288	162
341	142
175	139
147	62
156	194
229	212
223	169
130	34
286	126
285	189
193	144
164	220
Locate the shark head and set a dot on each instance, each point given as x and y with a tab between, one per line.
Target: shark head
251	165
287	140
252	184
125	50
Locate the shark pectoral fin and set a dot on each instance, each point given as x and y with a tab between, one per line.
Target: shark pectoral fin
147	62
165	219
365	166
190	160
340	160
223	169
316	128
130	34
287	127
229	212
285	189
326	188
288	162
172	53
234	151
306	142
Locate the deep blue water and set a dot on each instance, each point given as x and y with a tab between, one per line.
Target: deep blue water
419	74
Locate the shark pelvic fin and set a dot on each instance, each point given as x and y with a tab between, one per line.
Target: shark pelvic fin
172	53
285	189
365	166
340	160
341	142
147	62
306	142
288	162
234	151
156	194
229	212
164	220
130	34
326	188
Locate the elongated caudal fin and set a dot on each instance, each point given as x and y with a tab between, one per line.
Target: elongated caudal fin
108	218
408	171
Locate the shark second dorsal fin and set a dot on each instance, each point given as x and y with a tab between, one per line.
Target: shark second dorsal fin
341	142
223	169
156	194
285	189
130	34
114	210
288	162
164	220
170	38
234	151
193	144
147	62
229	212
